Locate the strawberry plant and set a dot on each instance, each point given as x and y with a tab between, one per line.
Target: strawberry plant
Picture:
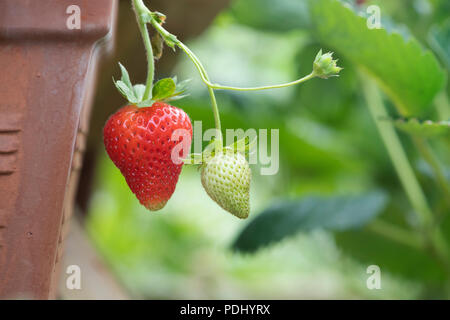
139	138
364	157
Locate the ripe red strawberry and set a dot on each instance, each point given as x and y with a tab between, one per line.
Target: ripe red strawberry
139	142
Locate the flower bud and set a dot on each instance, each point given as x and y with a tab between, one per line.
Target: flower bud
324	66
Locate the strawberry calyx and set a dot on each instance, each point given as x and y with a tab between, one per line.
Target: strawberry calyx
243	146
167	89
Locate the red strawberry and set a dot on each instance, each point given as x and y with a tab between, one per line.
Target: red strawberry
139	142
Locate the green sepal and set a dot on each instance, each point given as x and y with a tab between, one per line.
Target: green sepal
139	90
146	103
201	158
163	89
125	87
180	91
244	145
167	89
133	94
194	158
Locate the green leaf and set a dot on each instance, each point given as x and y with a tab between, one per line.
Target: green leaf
163	89
410	75
425	129
285	15
439	39
287	218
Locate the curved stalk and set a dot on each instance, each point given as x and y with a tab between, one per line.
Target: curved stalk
172	41
168	36
208	83
204	75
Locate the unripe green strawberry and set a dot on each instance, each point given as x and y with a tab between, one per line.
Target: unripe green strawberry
226	179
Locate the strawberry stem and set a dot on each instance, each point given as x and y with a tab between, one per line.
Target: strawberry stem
144	16
169	38
141	11
324	65
204	74
206	80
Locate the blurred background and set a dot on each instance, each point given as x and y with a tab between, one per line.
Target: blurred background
329	147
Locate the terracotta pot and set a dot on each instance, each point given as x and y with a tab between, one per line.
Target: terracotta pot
47	78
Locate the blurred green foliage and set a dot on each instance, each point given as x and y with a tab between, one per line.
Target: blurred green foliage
289	217
329	146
